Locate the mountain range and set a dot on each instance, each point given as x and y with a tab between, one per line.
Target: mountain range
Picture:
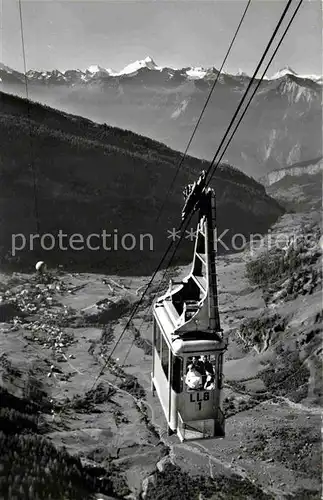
73	76
86	178
282	125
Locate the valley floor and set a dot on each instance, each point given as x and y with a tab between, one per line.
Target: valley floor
271	396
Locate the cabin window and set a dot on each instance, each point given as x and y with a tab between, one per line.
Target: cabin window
200	373
164	356
220	371
177	373
157	338
213	360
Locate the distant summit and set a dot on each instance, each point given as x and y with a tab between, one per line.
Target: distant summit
95	68
287	70
129	70
148	62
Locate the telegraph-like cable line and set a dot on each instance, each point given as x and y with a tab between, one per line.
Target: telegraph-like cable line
203	110
32	162
187	219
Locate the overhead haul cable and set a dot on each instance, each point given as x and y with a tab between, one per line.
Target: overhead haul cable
189	216
238	123
203	110
174	179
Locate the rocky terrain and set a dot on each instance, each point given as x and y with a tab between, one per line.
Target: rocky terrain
283	124
310	167
298	187
79	178
57	331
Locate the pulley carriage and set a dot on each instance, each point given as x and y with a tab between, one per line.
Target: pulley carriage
187	338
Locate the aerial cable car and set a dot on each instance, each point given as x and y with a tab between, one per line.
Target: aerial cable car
188	343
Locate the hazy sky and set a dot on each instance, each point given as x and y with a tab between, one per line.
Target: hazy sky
77	33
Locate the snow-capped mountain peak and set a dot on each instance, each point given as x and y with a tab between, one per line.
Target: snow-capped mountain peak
196	73
132	68
289	71
150	62
283	72
95	68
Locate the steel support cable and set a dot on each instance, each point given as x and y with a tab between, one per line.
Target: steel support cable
256	88
232	122
151	305
203	110
159	287
230	139
190	215
195	129
32	162
242	116
253	78
137	305
240	119
228	143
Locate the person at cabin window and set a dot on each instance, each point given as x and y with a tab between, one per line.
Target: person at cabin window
198	365
193	378
210	381
208	367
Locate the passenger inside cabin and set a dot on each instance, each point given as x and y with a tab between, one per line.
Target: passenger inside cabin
198	365
210	381
203	370
208	367
193	378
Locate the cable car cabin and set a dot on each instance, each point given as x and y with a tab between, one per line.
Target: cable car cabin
188	342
